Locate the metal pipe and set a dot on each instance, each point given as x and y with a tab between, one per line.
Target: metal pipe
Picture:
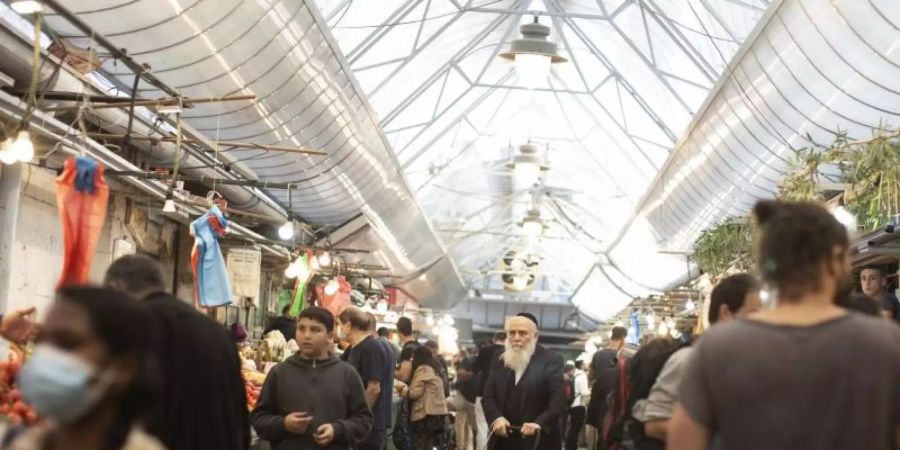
226	181
151	102
276	148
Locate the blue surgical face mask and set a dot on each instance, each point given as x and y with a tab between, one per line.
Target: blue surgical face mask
59	384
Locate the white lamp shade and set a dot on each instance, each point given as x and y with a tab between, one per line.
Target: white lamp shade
532	69
169	206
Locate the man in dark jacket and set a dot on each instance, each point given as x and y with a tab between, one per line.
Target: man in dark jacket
313	400
284	323
525	390
204	403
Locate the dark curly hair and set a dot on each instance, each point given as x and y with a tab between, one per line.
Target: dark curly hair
796	239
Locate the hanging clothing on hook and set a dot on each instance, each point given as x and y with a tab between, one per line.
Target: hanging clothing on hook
211	284
82	197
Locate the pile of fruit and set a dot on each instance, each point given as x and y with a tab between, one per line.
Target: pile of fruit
252	384
12	408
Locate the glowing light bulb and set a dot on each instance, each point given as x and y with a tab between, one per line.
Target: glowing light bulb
526	173
6	154
663	329
286	231
324	259
532	228
651	321
429	320
332	287
22	147
292	271
532	69
169	206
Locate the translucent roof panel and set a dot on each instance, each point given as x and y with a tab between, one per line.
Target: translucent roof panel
608	120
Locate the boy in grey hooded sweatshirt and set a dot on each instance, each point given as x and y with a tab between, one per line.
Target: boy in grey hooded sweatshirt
313	400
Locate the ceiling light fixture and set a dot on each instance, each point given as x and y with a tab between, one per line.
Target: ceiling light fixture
332	287
169	205
528	165
533	54
324	259
520	282
26	6
22	148
6	154
286	231
532	225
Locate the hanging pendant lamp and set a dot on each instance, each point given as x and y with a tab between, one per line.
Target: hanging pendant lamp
533	54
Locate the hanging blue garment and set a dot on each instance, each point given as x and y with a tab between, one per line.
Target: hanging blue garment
211	284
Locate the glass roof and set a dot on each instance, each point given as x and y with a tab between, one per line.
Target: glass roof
455	114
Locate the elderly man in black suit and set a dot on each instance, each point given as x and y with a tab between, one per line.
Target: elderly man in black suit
525	393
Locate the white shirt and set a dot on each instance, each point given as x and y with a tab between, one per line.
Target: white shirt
519	374
581	388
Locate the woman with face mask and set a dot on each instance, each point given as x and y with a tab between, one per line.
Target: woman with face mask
89	376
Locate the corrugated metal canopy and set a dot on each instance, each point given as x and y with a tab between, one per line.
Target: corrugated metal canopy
277	51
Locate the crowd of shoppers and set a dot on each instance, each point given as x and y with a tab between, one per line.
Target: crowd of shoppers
127	366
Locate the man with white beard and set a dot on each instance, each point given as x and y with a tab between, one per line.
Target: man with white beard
525	390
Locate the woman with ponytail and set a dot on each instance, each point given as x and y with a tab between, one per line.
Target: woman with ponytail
804	374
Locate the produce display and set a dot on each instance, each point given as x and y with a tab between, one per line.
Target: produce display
12	408
253	382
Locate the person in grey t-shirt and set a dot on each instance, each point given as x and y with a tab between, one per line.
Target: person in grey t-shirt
735	297
806	374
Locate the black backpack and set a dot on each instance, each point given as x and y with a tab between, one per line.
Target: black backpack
570	391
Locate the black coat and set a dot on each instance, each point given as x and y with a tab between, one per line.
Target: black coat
543	391
203	402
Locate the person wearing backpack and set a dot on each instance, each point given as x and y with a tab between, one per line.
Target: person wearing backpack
643	374
734	297
578	386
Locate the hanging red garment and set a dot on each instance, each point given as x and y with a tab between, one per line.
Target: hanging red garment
82	197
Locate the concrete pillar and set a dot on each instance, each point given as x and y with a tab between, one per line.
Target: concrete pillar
10	198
